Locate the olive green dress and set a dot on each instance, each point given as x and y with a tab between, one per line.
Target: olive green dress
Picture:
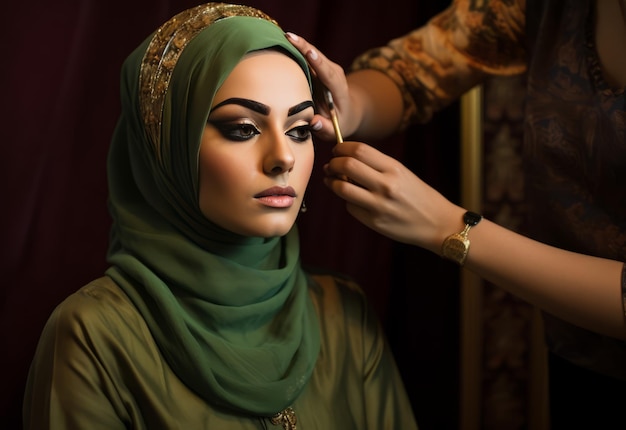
98	367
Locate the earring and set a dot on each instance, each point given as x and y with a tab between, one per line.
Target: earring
303	208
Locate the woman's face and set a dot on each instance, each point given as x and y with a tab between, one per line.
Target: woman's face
256	154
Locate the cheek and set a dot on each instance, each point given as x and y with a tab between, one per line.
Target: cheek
306	157
219	175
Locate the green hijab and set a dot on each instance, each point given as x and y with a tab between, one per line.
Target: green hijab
231	314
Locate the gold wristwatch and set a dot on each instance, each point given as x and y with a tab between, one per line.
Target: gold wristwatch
456	246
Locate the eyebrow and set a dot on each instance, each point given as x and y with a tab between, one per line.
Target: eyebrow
262	108
300	107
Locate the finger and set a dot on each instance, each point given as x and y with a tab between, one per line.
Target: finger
310	52
366	154
323	128
352	193
356	172
329	73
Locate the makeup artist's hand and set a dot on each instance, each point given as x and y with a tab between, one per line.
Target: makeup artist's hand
333	77
368	103
389	198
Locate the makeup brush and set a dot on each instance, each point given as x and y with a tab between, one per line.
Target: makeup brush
335	120
333	115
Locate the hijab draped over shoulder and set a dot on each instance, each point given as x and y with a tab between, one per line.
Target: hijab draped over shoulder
230	314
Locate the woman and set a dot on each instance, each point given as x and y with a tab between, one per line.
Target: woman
205	319
571	262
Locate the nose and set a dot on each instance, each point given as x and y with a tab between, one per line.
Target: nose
279	156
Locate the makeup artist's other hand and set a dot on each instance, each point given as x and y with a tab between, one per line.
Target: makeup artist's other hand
333	77
389	198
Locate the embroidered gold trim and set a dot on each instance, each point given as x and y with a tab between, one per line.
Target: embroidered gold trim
287	418
165	49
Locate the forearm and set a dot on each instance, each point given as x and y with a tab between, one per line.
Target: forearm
390	199
379	101
432	66
577	288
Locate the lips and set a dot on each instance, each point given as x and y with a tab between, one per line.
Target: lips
277	197
277	192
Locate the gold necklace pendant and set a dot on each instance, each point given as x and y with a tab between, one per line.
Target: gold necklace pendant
287	418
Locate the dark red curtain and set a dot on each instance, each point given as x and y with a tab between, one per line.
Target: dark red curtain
60	74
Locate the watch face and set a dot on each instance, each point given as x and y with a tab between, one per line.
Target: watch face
471	218
455	248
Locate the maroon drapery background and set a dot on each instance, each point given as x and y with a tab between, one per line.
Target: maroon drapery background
60	79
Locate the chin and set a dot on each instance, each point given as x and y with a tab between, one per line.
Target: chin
275	232
264	225
274	229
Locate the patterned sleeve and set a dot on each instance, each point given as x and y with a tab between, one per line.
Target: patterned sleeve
455	50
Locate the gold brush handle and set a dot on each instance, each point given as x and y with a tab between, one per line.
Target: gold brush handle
333	115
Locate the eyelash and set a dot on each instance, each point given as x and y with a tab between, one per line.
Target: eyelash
302	128
240	132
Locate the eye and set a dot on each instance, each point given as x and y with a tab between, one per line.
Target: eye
238	132
300	134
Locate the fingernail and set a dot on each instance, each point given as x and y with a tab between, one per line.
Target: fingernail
317	125
292	36
312	54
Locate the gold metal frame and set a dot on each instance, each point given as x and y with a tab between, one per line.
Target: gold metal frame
471	286
472	289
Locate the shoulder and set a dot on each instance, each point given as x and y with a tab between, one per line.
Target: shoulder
474	26
99	296
94	332
83	362
335	294
327	275
349	326
100	307
323	281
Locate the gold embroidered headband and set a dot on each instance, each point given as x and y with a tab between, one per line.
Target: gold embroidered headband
165	49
